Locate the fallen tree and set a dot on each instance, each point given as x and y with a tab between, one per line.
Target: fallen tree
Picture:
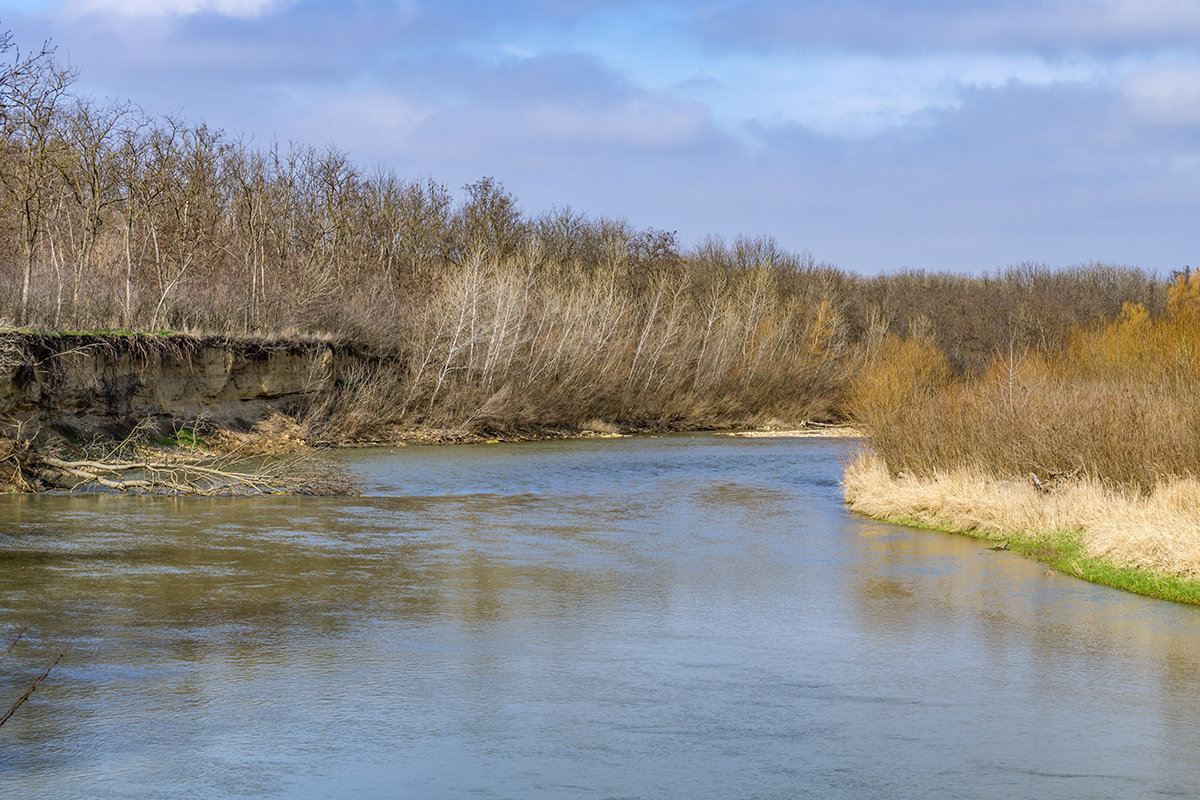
302	474
28	465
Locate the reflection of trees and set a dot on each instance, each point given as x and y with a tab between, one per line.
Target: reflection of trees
175	603
997	624
280	565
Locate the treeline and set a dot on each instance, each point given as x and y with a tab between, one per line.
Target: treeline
112	218
1117	403
1083	455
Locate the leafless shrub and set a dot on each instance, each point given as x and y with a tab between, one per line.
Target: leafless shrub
1118	405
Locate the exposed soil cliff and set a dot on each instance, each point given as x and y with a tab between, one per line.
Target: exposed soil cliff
84	385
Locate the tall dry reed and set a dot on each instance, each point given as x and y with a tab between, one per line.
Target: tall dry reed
1158	530
499	346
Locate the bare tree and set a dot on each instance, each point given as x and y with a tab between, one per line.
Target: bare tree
138	192
90	172
185	218
32	89
251	187
491	220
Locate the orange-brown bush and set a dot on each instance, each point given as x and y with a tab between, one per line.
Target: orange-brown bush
1120	404
893	374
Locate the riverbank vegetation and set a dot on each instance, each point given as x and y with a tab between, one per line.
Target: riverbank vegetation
1096	437
486	318
1031	402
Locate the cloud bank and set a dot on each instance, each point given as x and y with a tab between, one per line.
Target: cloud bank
878	135
127	9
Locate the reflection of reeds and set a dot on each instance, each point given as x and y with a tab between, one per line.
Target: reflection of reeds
1079	525
36	682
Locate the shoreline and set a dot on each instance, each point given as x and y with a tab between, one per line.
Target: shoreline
809	431
1145	545
450	437
23	461
1040	523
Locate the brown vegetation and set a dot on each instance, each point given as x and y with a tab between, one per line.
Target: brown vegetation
1157	531
1098	435
1118	403
489	319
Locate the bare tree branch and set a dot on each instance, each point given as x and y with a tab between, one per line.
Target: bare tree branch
33	686
301	474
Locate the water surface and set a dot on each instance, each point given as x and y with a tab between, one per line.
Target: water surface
676	617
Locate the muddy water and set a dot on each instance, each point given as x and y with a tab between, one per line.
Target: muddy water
679	617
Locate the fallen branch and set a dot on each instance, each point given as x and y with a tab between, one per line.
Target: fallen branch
8	649
33	686
295	475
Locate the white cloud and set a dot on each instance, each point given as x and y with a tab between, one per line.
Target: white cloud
636	122
378	124
1165	96
244	9
371	122
1058	26
1140	16
1080	22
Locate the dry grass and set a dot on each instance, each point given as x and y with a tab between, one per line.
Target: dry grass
1031	418
1157	531
279	434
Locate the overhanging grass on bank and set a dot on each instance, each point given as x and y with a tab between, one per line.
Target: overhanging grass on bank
1146	544
1063	551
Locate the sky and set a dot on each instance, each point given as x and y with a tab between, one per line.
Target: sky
877	136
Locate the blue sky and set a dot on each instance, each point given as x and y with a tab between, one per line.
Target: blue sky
931	134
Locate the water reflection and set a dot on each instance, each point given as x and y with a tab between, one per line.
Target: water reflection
675	617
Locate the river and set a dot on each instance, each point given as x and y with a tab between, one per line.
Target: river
675	617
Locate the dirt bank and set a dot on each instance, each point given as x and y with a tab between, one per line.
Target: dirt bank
83	386
73	395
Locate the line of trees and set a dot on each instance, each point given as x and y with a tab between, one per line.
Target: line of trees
113	218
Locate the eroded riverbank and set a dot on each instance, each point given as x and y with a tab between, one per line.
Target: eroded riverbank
91	397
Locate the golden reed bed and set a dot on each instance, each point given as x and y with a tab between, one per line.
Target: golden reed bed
1158	531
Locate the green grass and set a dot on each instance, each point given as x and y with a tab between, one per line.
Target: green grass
1063	551
182	438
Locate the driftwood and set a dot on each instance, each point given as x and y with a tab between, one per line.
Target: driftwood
132	466
36	682
302	474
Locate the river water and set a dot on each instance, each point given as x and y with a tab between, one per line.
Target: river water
675	617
